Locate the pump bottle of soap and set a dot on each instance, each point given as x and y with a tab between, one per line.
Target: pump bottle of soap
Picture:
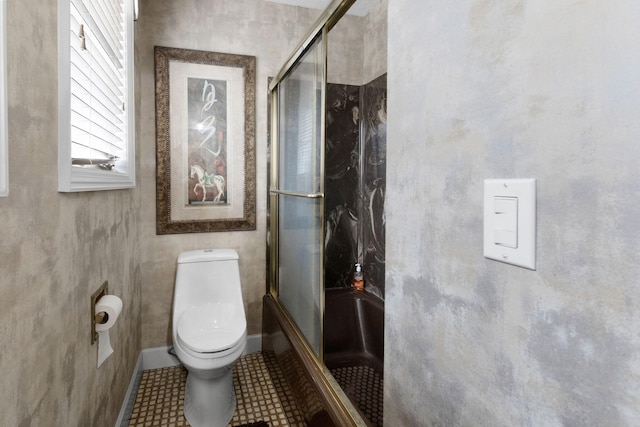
358	279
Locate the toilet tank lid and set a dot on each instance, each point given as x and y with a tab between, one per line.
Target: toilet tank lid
205	255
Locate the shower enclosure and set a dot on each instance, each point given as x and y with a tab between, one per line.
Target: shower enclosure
326	212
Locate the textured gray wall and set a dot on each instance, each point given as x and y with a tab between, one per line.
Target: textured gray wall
513	89
357	47
55	250
374	58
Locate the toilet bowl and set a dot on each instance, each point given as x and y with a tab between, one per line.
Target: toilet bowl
209	331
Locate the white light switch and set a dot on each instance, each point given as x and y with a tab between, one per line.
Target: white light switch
505	221
510	221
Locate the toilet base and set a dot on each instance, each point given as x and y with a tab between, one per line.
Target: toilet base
210	402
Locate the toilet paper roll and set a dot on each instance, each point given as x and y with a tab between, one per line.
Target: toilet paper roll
111	305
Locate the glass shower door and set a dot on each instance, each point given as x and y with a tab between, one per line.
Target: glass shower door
299	186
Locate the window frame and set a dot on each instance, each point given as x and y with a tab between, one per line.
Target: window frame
70	178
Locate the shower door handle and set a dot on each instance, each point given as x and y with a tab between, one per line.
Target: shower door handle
295	194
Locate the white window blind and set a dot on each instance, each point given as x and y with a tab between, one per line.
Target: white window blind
99	126
97	83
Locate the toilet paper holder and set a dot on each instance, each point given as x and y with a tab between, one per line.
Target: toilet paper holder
97	318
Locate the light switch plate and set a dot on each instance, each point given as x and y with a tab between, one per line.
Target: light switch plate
495	192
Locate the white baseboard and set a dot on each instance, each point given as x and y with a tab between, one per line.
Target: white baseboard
254	344
159	357
130	397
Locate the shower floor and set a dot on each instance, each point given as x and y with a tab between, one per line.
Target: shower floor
364	386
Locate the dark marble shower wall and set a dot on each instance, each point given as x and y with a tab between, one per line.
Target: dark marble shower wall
355	170
374	164
342	179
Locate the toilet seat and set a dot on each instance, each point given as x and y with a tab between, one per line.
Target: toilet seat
211	328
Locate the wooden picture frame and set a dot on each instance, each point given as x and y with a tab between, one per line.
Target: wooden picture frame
205	141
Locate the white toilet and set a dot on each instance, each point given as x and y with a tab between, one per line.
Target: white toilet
209	332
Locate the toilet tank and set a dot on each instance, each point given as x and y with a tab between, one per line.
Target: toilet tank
207	276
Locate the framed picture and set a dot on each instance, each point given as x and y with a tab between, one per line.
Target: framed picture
205	140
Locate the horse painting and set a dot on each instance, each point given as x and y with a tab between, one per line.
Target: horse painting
205	180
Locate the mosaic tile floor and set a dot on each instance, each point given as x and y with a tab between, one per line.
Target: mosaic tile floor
159	401
364	387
